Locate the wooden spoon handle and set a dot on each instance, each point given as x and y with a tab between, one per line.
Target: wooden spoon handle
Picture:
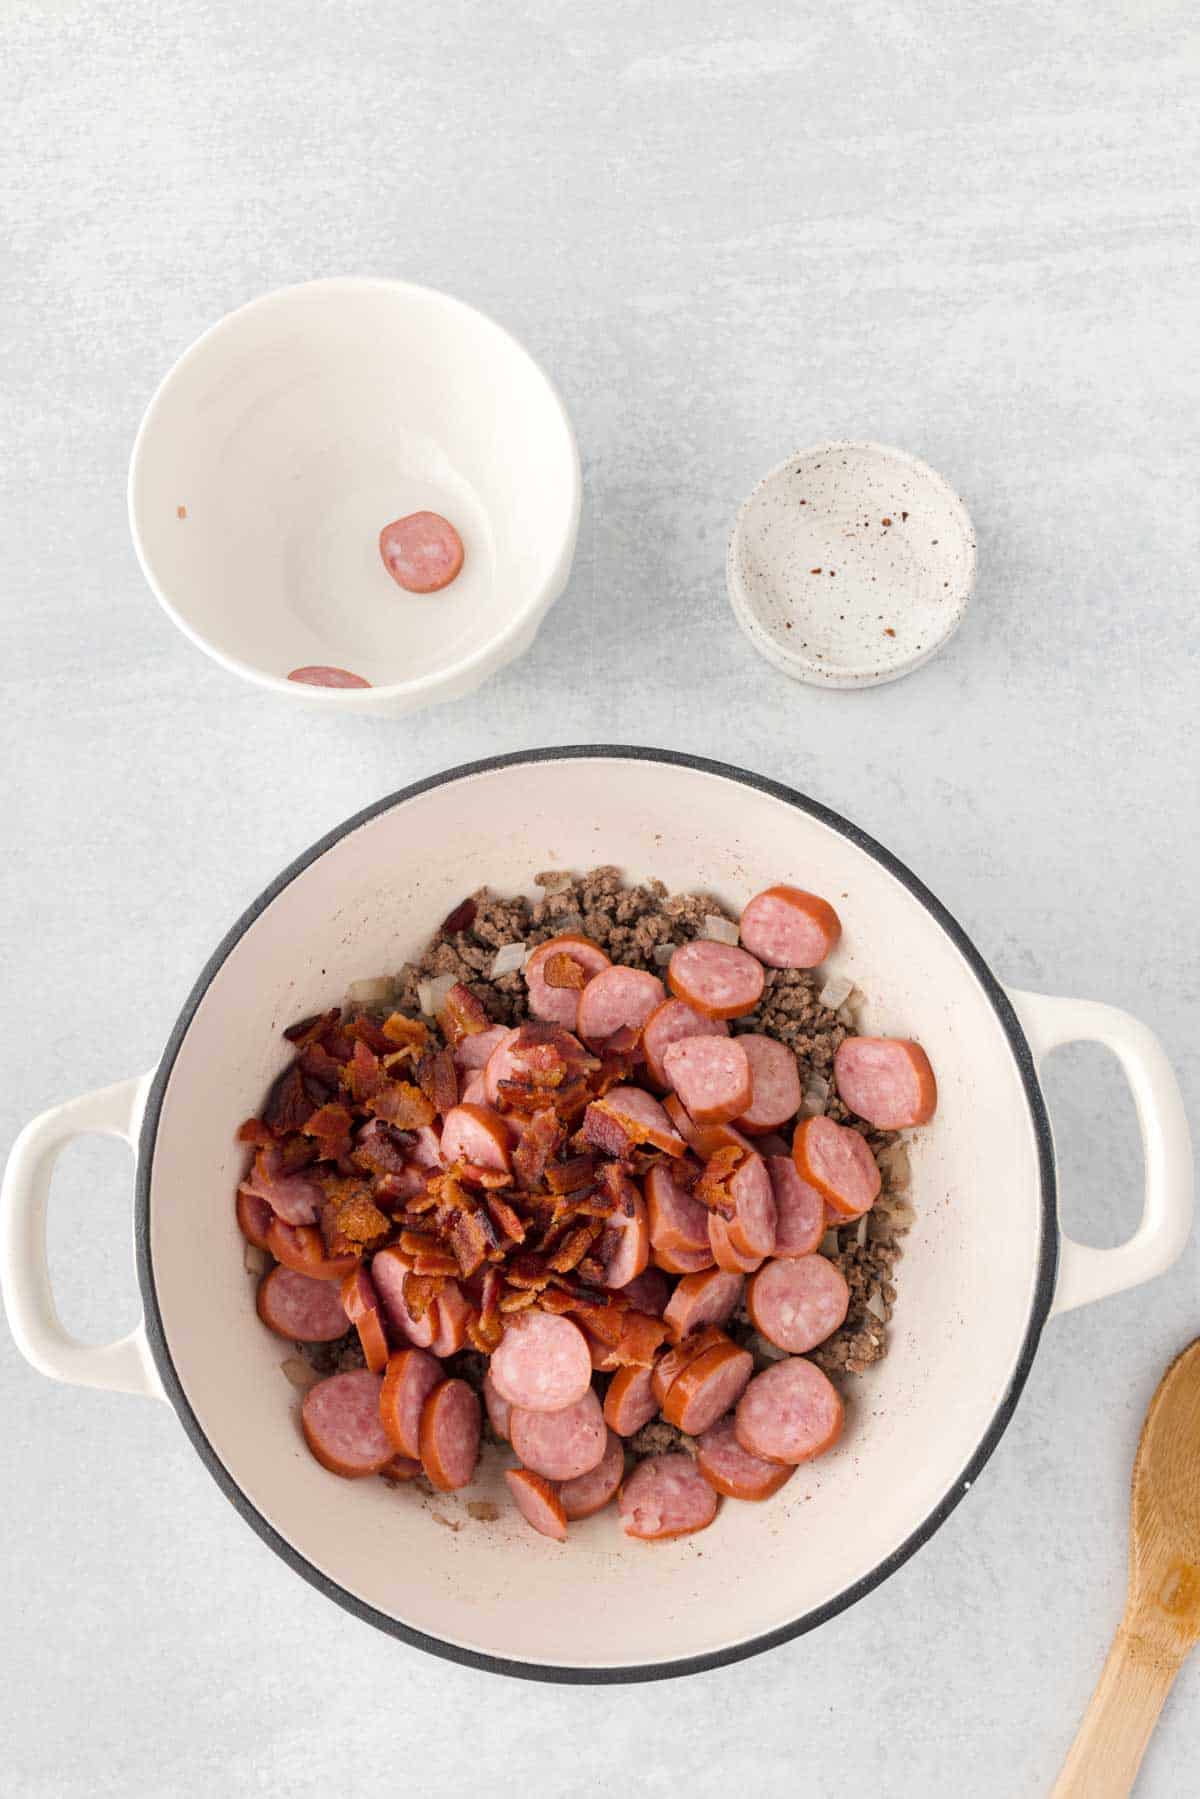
1112	1738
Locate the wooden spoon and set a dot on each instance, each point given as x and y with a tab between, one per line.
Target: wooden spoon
1162	1607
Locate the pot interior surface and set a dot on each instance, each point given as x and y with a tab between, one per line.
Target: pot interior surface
968	1281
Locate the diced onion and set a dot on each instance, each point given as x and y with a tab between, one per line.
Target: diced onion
430	994
861	1233
874	1303
254	1259
663	953
720	930
507	960
301	1373
835	992
380	990
894	1166
901	1215
815	1097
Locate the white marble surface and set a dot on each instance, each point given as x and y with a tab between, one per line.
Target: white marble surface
728	230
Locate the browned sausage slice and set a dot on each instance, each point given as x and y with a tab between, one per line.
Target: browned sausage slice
718	979
775	1078
320	675
554	991
670	1023
299	1308
614	999
799	1209
341	1423
788	928
591	1492
676	1220
725	1254
648	1292
301	1247
708	1387
790	1412
630	1401
624	1248
732	1470
422	552
499	1409
471	1053
711	1077
453	1310
708	1298
538	1502
449	1435
388	1269
752	1227
838	1163
627	1117
254	1218
797	1304
886	1080
501	1064
666	1496
542	1363
411	1376
670	1365
476	1134
560	1445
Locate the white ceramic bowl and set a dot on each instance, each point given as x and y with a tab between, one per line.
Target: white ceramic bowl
850	564
983	1268
283	441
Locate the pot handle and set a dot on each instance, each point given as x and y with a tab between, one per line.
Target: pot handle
126	1366
1084	1273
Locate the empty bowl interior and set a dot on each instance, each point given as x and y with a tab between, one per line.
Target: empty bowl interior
851	564
966	1282
286	439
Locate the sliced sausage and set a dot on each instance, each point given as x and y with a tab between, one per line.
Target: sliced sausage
556	1001
790	1412
772	1144
799	1209
388	1269
708	1298
725	1254
422	552
301	1247
706	1389
319	675
718	979
295	1198
682	1261
666	1496
410	1379
797	1304
471	1053
561	1445
474	1089
538	1503
670	1023
788	928
775	1079
837	1162
542	1362
499	1409
711	1077
449	1435
752	1227
358	1293
630	1401
624	1247
637	1115
501	1065
704	1139
886	1080
479	1135
676	1220
300	1308
614	999
670	1366
732	1470
453	1314
591	1492
254	1217
648	1292
342	1427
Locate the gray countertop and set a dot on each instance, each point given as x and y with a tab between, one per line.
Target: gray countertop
727	231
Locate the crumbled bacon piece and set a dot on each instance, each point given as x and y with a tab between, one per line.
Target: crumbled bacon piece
491	1178
437	1078
712	1189
420	1291
561	970
641	1338
572	1175
461	919
461	1015
527	1270
539	1141
363	1029
351	1217
381	1149
472	1238
401	1104
435	1261
516	1300
254	1131
406	1031
575	1246
310	1030
331	1126
316	1061
290	1101
508	1222
362	1076
606	1131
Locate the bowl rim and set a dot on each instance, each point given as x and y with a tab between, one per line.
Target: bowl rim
494	651
1040	1304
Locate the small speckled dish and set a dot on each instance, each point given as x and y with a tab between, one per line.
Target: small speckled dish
851	564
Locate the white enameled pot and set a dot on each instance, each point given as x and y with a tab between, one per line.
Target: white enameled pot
984	1267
